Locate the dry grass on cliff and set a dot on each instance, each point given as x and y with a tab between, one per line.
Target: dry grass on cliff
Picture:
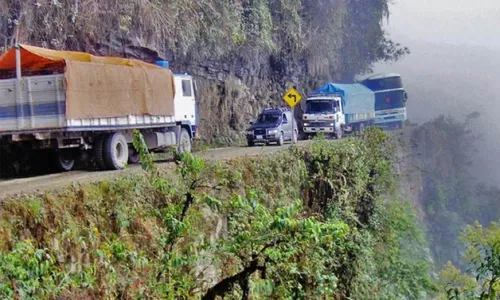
213	27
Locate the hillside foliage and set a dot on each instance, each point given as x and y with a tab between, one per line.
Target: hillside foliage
308	223
209	29
452	197
482	254
243	54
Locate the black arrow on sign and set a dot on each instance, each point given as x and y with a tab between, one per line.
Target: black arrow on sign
294	97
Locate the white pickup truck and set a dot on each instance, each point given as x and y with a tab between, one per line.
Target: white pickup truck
64	103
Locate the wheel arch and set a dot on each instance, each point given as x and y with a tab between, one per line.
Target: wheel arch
188	126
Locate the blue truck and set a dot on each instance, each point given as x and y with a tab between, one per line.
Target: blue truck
390	99
337	108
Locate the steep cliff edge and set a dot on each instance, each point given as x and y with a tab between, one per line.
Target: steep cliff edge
234	229
243	53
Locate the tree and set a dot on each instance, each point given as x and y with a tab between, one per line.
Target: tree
483	256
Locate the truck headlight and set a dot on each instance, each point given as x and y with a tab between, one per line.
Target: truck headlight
249	132
306	124
332	124
272	131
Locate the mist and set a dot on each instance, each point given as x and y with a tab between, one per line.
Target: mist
453	68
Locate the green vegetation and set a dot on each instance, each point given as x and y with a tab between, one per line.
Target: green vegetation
309	223
213	28
456	208
452	197
242	53
483	256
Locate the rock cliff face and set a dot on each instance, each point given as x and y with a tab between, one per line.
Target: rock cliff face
244	54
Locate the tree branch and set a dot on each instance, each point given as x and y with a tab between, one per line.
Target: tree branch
227	284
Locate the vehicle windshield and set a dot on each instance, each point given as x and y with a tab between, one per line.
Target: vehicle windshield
389	100
383	83
268	118
321	106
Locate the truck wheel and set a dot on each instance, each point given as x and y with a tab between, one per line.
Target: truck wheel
250	143
98	150
115	151
63	161
185	143
281	141
133	156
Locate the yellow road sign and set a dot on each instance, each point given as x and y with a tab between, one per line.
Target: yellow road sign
292	97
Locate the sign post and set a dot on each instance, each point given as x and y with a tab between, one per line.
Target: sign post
292	98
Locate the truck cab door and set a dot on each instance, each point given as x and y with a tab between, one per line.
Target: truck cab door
339	115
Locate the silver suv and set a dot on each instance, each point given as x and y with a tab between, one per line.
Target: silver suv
273	125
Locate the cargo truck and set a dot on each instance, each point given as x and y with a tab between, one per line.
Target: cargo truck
390	99
335	109
65	103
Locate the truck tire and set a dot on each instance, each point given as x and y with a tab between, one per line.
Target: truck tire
250	143
63	161
98	150
115	151
133	156
185	141
281	140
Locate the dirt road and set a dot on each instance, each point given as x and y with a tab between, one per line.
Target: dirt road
34	185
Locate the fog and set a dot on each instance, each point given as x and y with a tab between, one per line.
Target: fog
453	68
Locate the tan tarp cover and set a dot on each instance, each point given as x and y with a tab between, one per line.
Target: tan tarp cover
99	87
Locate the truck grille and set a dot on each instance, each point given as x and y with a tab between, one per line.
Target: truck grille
321	123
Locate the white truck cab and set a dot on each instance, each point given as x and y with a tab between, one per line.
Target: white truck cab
324	114
185	102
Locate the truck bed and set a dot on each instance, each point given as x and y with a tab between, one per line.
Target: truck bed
42	107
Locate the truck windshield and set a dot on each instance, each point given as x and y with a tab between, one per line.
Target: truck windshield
320	106
268	118
389	100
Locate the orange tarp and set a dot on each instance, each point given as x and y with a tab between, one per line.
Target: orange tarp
99	87
35	58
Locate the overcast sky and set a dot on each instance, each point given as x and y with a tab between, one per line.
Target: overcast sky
453	68
453	44
450	21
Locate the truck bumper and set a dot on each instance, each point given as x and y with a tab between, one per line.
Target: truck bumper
396	124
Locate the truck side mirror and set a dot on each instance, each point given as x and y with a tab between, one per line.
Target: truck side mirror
251	122
405	96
